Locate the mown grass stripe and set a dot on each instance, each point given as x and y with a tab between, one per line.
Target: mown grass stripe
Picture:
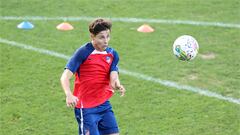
167	83
120	19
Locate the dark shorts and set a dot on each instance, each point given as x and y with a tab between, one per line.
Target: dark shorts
99	120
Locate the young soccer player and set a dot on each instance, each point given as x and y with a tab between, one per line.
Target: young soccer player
96	78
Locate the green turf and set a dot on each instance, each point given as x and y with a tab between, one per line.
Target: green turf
32	101
212	10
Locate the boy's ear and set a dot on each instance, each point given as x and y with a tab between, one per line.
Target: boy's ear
92	35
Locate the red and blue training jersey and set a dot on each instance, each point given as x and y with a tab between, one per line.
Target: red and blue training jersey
92	74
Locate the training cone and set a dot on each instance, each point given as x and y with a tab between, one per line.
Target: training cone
145	28
25	25
64	26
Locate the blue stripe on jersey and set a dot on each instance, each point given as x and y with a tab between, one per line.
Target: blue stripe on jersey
83	52
79	57
114	66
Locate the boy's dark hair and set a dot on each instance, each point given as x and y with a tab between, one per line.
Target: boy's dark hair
99	25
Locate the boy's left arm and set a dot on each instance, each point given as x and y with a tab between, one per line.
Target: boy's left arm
115	83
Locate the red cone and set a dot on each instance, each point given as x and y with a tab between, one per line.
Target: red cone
145	28
65	26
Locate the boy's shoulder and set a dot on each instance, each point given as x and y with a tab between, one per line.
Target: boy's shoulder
87	45
84	50
111	50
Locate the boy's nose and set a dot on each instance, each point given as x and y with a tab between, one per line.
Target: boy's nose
105	40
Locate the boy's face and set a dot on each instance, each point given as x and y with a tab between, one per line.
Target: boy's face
100	41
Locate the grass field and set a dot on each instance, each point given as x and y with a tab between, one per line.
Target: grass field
33	103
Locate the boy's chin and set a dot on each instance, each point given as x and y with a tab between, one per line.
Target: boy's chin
104	47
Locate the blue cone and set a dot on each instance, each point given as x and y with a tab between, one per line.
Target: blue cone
25	25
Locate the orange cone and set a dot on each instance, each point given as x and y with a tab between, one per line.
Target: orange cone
145	28
65	26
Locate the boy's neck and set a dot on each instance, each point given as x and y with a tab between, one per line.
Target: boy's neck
95	47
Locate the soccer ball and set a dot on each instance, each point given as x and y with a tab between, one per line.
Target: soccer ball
185	48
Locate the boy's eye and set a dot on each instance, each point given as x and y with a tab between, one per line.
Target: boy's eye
100	36
103	36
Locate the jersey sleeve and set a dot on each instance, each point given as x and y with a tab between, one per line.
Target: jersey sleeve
114	66
76	60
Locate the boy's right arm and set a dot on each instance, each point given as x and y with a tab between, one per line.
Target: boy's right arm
71	100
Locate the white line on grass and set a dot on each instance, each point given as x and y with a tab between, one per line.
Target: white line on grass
167	83
133	20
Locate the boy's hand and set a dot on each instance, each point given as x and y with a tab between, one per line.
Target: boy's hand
121	90
71	100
